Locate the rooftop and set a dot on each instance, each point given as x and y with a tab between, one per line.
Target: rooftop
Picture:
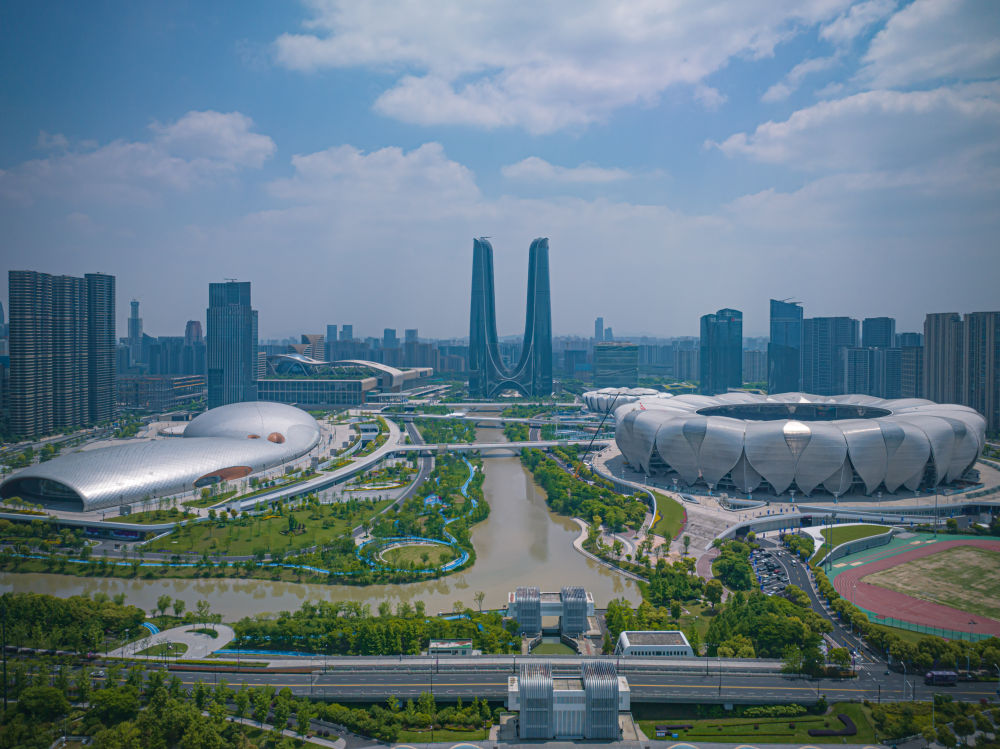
656	637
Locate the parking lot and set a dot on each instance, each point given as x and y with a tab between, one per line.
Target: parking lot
770	575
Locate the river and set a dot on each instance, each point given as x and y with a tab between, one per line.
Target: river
520	543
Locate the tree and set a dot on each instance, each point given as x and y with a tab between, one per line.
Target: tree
840	657
282	711
43	704
178	607
261	699
303	716
242	701
713	592
687	543
792	658
163	603
479	598
204	609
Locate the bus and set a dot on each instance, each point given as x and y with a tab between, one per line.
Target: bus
940	678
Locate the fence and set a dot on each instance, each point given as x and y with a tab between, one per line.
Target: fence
950	634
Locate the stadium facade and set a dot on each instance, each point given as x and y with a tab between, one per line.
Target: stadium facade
225	443
795	442
488	375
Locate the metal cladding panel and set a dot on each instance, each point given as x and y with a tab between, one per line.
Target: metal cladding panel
675	450
124	474
537	701
600	683
965	451
644	430
744	476
721	448
574	617
768	453
528	603
823	456
907	449
841	479
942	441
866	449
737	398
625	434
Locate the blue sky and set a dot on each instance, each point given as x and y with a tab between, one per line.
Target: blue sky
680	156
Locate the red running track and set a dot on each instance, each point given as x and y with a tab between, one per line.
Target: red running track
887	602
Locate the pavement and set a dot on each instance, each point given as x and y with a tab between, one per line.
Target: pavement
198	645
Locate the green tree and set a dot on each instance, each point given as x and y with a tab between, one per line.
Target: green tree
43	704
713	592
687	543
178	607
303	715
163	603
479	598
242	702
840	657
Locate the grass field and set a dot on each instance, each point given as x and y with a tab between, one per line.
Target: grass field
442	734
768	730
266	533
172	515
671	516
964	577
841	534
404	555
169	649
553	648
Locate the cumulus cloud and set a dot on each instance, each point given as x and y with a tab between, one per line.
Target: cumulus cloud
792	81
848	26
541	66
935	40
879	130
535	169
198	147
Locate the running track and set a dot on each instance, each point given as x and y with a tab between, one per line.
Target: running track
887	602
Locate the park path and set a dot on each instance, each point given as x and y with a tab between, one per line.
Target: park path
851	585
199	645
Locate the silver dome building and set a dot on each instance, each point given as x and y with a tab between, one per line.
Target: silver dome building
841	444
228	442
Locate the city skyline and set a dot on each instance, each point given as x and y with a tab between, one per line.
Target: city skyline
309	145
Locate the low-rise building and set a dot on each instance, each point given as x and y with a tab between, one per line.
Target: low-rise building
671	643
572	605
451	647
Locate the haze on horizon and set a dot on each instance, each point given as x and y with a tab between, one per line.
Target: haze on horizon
680	157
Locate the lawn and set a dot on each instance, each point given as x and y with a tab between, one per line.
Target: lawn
670	516
404	555
442	734
168	649
963	577
841	534
172	515
214	499
553	648
269	533
768	731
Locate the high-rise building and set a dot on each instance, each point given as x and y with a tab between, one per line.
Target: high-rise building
410	335
101	364
784	350
192	332
911	372
981	366
908	340
232	344
609	334
878	332
347	332
825	341
134	334
754	366
532	374
721	352
54	385
389	339
943	357
598	330
616	364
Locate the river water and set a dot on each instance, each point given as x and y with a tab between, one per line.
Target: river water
521	543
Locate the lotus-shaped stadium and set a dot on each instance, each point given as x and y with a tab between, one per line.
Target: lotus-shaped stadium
844	444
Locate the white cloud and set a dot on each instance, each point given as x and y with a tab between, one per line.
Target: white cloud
198	147
935	40
879	130
793	79
848	26
541	66
51	141
535	169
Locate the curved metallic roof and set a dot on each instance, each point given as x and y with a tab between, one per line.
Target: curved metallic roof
226	442
795	441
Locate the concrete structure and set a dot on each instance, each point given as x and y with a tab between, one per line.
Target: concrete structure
159	392
878	332
598	330
225	443
584	707
800	442
754	366
451	647
943	357
784	349
532	374
616	364
911	372
572	605
232	344
668	643
62	351
981	366
721	352
825	341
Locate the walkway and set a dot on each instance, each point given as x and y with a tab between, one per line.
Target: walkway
198	645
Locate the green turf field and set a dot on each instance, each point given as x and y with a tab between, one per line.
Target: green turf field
841	534
671	517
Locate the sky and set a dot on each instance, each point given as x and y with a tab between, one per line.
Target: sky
680	156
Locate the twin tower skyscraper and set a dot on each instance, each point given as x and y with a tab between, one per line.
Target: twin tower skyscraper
531	376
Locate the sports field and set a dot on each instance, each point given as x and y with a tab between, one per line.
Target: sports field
963	577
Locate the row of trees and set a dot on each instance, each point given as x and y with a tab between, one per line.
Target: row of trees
76	623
